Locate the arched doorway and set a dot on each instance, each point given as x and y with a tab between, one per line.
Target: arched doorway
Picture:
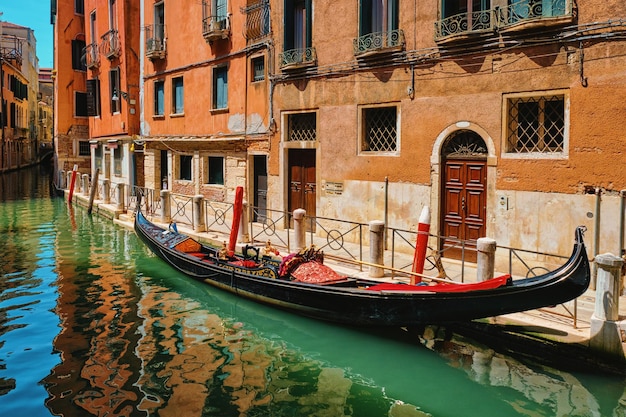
464	194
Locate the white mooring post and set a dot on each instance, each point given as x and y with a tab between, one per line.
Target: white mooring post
486	257
299	229
606	336
377	248
198	213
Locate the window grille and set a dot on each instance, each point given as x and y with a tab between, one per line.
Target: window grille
380	130
302	127
536	124
84	149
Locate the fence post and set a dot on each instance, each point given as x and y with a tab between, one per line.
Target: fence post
606	336
120	196
165	206
377	249
244	225
198	214
485	260
106	190
299	229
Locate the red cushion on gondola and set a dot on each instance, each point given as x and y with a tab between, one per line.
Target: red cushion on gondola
445	287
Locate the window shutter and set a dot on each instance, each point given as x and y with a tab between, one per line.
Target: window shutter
365	17
93	102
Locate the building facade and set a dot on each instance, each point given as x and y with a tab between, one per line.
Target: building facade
206	113
500	116
71	123
111	56
19	141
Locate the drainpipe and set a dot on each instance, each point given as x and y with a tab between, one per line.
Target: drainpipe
621	222
596	236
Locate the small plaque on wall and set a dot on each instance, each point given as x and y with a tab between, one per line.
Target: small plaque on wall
334	188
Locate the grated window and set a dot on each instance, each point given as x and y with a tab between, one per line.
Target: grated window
536	124
380	130
302	127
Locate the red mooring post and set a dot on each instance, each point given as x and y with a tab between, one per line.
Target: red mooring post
72	182
419	258
237	211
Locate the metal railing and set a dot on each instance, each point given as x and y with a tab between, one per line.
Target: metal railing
378	41
465	23
297	57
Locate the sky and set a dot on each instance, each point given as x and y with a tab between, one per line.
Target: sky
34	14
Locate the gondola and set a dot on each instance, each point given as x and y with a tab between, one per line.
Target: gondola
302	284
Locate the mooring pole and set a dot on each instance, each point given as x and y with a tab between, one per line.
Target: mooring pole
92	192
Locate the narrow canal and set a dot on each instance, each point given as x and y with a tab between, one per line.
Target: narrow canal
91	324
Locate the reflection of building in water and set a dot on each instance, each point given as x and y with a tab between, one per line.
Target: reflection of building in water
98	330
558	391
196	363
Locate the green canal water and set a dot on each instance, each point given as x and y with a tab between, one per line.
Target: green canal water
92	325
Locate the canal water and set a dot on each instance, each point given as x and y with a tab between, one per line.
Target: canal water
92	325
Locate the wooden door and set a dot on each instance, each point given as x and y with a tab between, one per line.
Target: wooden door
302	182
464	206
260	188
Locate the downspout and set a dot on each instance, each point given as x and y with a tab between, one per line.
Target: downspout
142	45
622	201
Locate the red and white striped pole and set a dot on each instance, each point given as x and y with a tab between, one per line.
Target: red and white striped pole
419	258
237	212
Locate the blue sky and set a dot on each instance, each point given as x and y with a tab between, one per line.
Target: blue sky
34	14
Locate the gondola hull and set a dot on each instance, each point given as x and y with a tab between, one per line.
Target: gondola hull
356	301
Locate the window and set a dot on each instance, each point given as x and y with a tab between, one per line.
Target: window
80	103
79	6
379	129
93	97
159	98
78	63
117	160
297	24
216	170
84	148
177	96
302	127
114	83
185	167
536	124
220	88
378	16
258	69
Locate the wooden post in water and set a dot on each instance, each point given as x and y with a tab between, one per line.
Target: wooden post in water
92	192
72	183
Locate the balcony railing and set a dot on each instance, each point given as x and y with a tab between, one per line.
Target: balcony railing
529	13
91	55
378	42
155	41
215	27
297	58
464	24
110	45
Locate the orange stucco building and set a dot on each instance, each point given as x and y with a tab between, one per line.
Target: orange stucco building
71	124
112	60
206	115
500	116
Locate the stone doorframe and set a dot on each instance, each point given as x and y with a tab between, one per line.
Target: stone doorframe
435	176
